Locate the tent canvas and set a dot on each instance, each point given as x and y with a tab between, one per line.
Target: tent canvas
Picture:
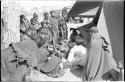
112	29
91	12
82	7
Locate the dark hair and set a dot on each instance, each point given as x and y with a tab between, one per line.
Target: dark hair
46	13
42	23
21	17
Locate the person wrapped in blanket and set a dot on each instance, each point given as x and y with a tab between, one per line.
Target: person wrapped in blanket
34	21
100	63
33	25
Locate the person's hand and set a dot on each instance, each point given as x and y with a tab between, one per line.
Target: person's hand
67	65
71	44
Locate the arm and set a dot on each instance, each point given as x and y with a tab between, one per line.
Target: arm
71	55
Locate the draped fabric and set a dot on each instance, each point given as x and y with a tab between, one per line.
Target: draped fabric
103	31
25	50
98	61
9	69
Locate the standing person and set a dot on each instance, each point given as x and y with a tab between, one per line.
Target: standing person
23	25
54	26
47	24
34	25
63	28
99	60
46	19
65	31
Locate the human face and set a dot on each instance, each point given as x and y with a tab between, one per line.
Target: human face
44	25
93	31
47	16
36	18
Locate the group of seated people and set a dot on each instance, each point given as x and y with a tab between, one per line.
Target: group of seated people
36	50
49	59
43	50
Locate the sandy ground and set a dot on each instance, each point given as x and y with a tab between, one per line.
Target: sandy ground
75	75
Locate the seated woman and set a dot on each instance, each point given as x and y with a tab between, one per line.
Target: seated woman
78	54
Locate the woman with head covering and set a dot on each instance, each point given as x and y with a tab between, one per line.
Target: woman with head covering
100	66
34	24
78	54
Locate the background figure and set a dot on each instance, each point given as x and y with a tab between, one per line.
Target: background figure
34	21
44	32
47	24
70	20
54	22
23	25
46	19
33	26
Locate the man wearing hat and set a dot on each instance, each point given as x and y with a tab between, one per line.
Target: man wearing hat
54	23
